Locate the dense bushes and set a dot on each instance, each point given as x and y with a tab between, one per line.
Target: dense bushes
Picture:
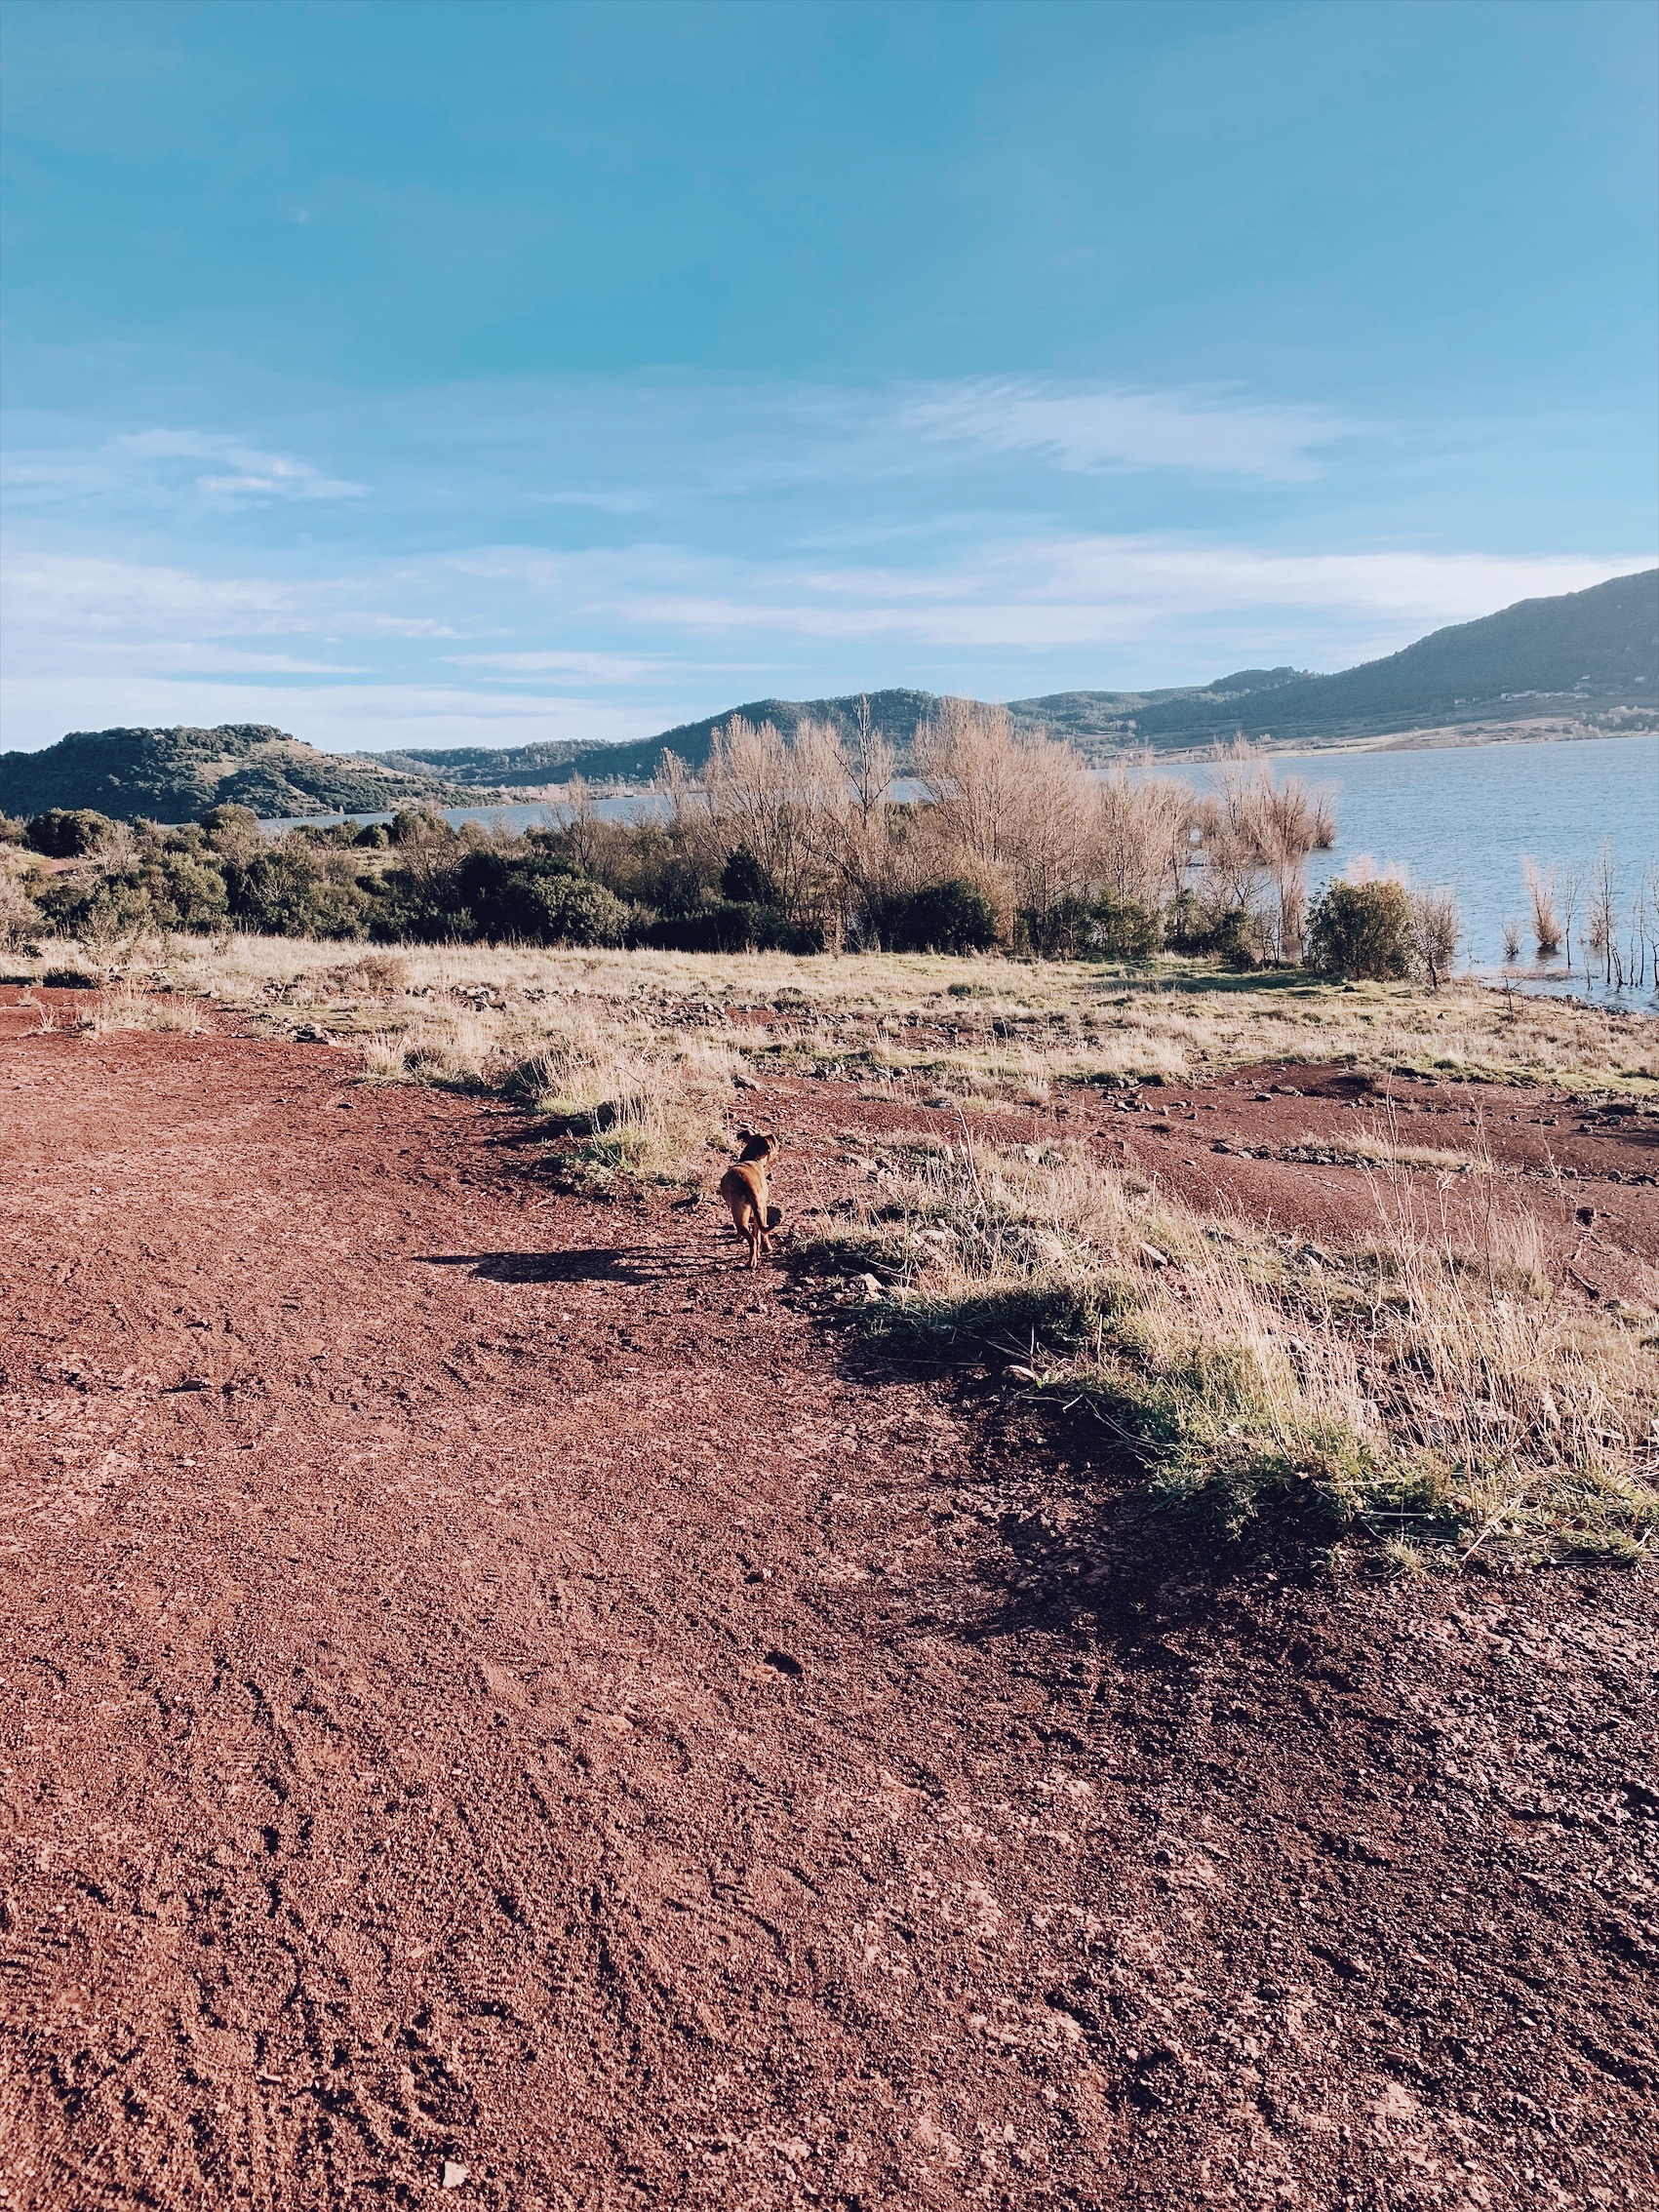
949	917
789	847
1361	932
1228	934
422	882
1082	928
64	832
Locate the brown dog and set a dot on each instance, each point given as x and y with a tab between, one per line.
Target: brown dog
743	1187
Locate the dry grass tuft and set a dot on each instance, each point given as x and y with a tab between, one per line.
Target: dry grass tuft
1385	1151
1439	1399
128	1005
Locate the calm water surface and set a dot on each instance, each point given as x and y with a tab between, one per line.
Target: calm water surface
1469	815
1464	817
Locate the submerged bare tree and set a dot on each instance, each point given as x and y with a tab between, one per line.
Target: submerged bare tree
1571	888
1542	897
1259	833
1604	925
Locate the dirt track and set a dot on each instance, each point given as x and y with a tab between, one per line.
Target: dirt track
486	1682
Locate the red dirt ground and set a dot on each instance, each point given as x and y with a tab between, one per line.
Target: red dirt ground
485	1684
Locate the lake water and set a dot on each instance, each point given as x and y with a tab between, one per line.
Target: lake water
1465	815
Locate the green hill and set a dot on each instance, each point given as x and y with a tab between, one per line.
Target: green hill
1585	651
174	776
490	768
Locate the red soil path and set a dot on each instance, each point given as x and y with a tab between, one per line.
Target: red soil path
485	1684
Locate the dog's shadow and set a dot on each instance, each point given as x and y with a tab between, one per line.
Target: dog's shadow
595	1263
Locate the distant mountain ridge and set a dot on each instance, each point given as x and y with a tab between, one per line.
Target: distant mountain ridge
1583	656
1597	648
1582	652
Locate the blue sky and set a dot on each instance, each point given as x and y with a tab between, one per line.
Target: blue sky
441	370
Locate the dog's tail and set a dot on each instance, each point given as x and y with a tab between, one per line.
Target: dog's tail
774	1214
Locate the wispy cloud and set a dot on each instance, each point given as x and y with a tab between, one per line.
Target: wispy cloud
1031	593
164	468
54	596
593	668
1106	427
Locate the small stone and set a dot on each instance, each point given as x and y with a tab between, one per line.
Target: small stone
452	2176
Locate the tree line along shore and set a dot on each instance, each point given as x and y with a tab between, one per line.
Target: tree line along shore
798	844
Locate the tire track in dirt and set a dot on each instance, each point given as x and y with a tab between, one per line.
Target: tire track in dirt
486	1681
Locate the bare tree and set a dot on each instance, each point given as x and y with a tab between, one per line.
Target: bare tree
1437	929
1546	918
1007	810
1259	834
1603	929
577	814
1571	885
1140	841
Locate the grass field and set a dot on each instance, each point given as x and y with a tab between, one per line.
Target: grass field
988	1026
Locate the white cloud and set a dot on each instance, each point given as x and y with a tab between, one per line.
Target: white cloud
1090	428
167	468
54	596
1028	594
595	667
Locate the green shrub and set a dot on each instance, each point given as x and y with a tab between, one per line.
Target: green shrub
412	823
186	892
745	882
950	916
546	909
1080	928
287	890
728	925
65	833
1361	932
99	912
1225	936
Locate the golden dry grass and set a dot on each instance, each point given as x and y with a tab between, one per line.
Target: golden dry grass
988	1028
1385	1152
1436	1395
